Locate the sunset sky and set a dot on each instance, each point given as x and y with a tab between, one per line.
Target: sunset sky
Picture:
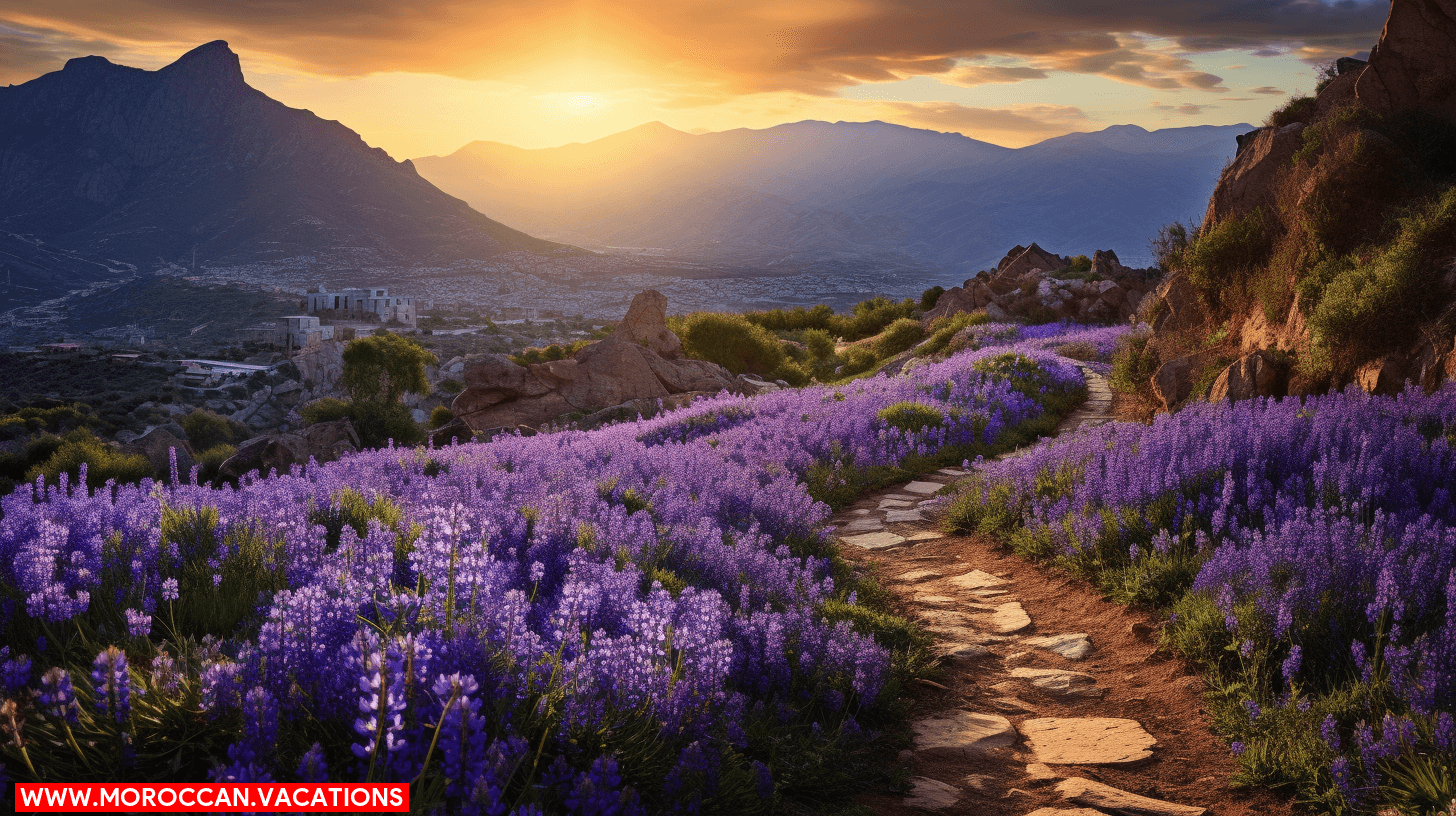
427	77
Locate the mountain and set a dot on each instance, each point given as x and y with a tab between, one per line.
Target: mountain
811	192
134	168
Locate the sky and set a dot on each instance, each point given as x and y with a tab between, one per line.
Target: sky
429	76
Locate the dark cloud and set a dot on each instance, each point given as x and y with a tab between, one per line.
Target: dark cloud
986	74
728	46
1267	89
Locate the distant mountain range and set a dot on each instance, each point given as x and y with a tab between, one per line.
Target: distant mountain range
106	169
812	192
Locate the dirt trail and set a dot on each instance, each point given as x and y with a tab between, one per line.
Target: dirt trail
1055	702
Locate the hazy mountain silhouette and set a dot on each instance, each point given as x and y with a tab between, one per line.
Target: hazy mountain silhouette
139	167
816	190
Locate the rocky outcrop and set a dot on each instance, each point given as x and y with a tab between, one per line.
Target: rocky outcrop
1254	375
623	368
157	445
1248	183
1414	65
1020	288
324	442
1174	381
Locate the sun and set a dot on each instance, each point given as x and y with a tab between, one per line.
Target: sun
584	102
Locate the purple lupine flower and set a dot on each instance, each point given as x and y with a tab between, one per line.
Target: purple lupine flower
169	589
313	767
138	624
112	682
57	696
1237	747
1252	709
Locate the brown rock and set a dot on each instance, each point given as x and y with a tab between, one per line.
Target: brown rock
1106	264
451	432
1385	376
1106	797
1018	263
1175	305
326	441
963	732
1173	382
954	301
646	323
1253	375
1414	65
1087	740
1248	182
157	446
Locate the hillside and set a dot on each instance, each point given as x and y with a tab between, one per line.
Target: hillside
811	190
1326	255
139	168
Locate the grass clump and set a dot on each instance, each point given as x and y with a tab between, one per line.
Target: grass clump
911	417
898	336
944	329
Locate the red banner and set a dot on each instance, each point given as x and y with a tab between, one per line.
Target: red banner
212	797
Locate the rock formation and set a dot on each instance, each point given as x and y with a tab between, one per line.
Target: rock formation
641	360
1315	284
1024	285
323	442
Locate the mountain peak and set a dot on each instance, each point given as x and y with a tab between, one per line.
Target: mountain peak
213	61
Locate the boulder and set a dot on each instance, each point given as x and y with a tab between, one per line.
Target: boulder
1105	263
646	323
1385	375
1253	375
1173	381
1248	182
323	442
452	432
1413	67
1176	306
1020	261
955	300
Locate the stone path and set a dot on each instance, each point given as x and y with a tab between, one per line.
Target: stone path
976	616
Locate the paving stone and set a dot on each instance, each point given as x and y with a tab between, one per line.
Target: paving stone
906	497
988	593
1012	705
1040	770
860	513
902	516
931	794
1060	682
957	472
863	525
929	599
922	488
975	579
963	731
874	541
1009	618
1087	740
1072	647
1106	797
916	576
894	504
925	536
979	781
1066	812
966	651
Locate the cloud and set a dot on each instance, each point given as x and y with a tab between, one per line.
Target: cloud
986	74
1267	89
720	47
1187	109
1020	120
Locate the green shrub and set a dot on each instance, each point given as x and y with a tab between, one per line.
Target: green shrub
208	430
1133	365
930	297
450	386
210	461
910	417
1298	109
731	341
819	342
943	328
327	409
102	462
899	336
792	373
858	359
820	317
871	316
440	416
378	423
1080	263
1227	253
1170	243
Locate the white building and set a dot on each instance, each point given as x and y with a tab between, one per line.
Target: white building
301	331
376	301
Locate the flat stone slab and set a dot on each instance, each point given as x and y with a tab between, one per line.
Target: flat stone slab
988	593
903	516
916	576
1040	770
925	536
957	472
966	651
1066	812
905	497
975	579
1105	797
1060	682
931	794
895	504
1087	741
1072	647
935	600
1009	618
874	541
963	731
922	488
863	525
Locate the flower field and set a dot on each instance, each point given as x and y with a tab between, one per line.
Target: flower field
1307	552
643	618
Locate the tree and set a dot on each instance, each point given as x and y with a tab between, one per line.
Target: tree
381	368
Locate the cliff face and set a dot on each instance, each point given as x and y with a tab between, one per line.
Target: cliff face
117	162
1328	253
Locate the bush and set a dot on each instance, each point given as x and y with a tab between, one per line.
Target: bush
943	328
440	416
210	462
102	462
450	386
820	317
899	336
327	409
930	297
1298	109
1228	253
731	341
207	430
1170	243
1080	263
911	417
871	316
377	423
858	359
819	342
